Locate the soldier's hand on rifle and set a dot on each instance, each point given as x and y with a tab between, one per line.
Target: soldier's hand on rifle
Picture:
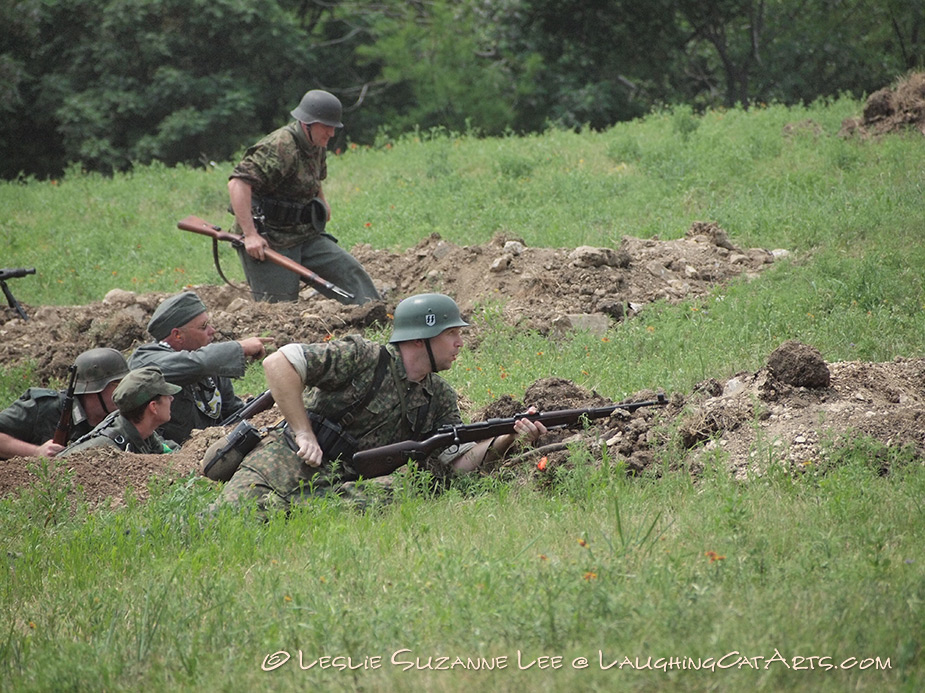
49	449
255	347
309	450
527	430
256	245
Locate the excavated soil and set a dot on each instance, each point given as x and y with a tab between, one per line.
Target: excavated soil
891	110
793	406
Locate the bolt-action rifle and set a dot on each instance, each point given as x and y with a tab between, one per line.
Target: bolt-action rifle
197	225
63	429
14	274
386	459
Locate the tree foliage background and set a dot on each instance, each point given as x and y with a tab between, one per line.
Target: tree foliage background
104	84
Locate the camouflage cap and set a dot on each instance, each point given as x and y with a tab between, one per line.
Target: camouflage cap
140	386
175	311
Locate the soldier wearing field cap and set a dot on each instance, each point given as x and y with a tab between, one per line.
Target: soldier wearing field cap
280	178
143	399
187	356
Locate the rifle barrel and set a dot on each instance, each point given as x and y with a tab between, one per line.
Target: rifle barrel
387	458
16	272
63	429
260	403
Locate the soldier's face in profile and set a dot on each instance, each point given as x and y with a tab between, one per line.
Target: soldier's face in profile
197	333
446	346
320	134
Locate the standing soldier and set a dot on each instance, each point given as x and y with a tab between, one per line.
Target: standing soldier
279	181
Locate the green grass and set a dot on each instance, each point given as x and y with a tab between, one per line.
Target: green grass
740	577
595	566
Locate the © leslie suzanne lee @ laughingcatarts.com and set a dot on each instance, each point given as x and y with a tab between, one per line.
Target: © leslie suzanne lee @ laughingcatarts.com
405	660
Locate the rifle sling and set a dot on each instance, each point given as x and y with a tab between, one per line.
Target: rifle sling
421	412
218	267
345	416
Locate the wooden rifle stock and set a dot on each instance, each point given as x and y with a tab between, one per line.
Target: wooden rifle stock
386	459
197	225
63	430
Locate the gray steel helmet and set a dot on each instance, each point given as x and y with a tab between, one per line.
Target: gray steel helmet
96	368
424	316
319	106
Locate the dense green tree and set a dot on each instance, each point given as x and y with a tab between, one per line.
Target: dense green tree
438	67
112	83
107	83
742	51
600	61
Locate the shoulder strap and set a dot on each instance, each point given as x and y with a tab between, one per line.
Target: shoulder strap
345	416
120	440
421	415
98	430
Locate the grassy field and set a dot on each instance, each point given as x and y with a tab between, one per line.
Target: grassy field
591	582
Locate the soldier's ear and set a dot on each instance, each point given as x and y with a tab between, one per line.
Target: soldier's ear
175	338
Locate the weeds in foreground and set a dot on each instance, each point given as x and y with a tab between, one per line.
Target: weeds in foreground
595	565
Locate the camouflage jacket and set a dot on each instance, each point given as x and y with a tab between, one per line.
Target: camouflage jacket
205	375
338	374
284	165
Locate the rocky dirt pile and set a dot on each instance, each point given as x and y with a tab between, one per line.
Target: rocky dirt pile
892	110
550	290
792	406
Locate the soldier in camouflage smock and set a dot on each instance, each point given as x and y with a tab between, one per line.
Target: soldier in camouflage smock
410	403
280	177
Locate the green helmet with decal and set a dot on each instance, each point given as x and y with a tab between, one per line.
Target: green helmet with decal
424	316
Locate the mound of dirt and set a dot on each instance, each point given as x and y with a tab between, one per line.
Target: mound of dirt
551	290
794	404
891	110
796	414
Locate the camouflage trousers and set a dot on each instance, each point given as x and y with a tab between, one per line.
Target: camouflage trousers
276	478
